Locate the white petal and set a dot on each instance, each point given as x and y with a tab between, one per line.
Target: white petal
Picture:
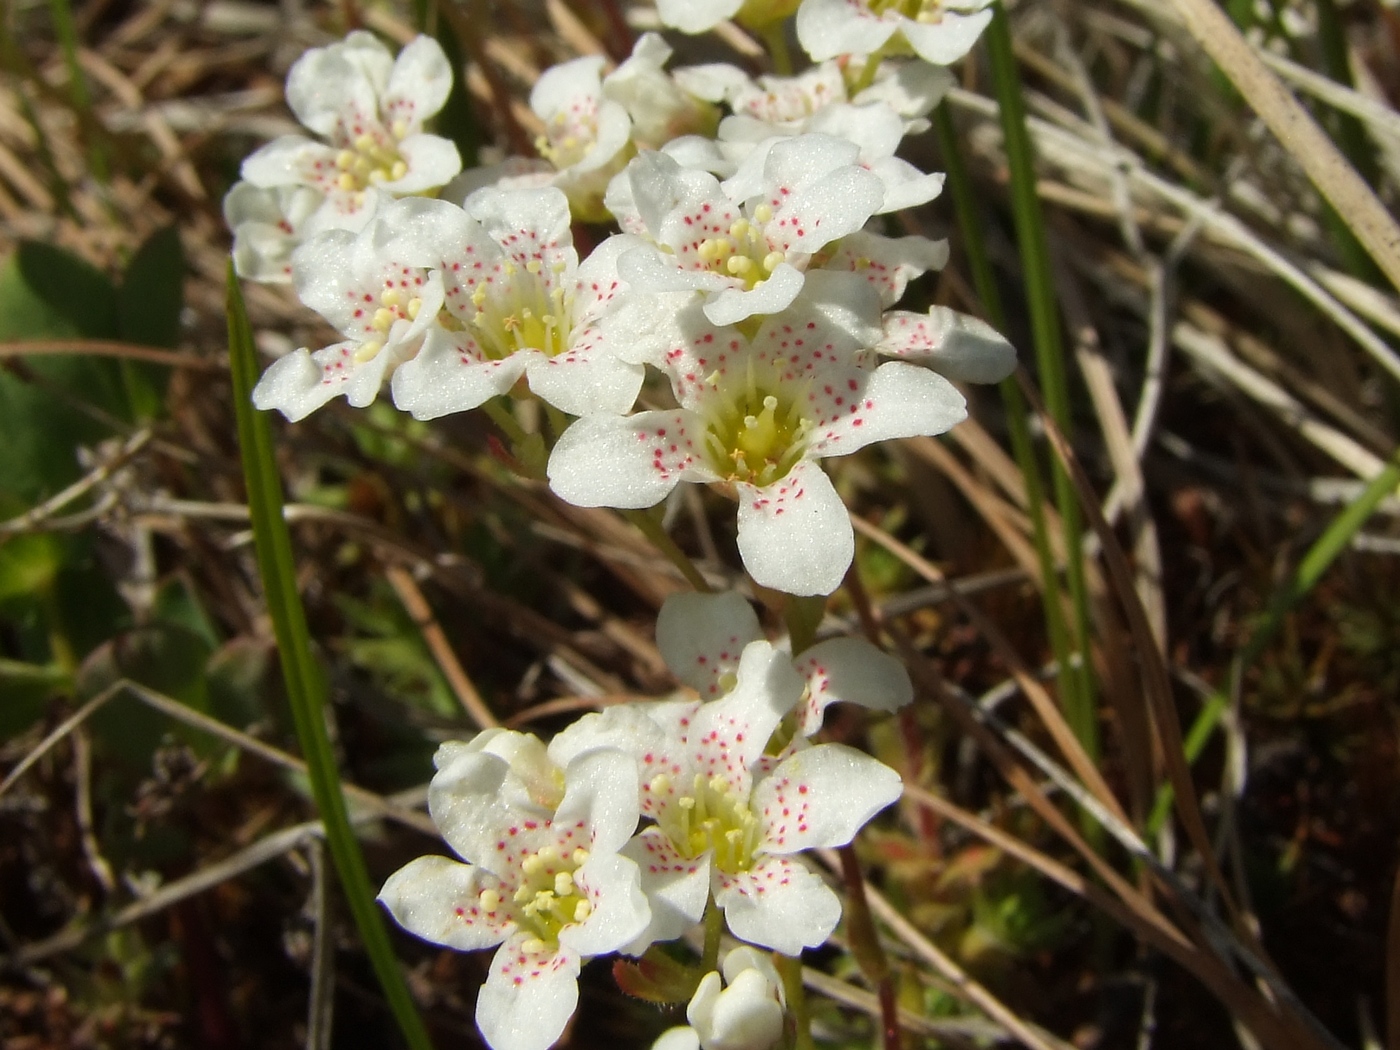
445	378
729	735
527	224
329	87
827	28
888	264
954	344
850	670
439	900
565	84
744	1016
649	271
911	88
628	462
418	84
827	208
676	887
794	535
586	379
534	779
772	296
779	904
527	999
696	16
302	382
896	400
821	796
601	791
682	1037
286	161
701	637
432	161
947	41
621	912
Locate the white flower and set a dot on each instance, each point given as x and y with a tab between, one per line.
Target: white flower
726	826
702	635
587	136
874	127
515	302
957	345
699	16
549	887
758	416
746	1015
268	225
375	287
938	31
369	108
660	107
748	242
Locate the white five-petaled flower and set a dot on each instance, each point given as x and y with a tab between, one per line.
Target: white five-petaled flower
369	109
375	287
659	105
746	243
728	824
701	637
268	225
516	302
938	31
548	886
745	1012
757	416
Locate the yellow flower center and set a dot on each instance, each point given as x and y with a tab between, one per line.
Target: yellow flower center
524	313
755	435
710	817
744	252
394	305
547	899
369	161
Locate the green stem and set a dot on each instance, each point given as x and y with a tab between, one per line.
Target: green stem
790	970
1077	685
775	36
305	684
714	930
500	414
650	525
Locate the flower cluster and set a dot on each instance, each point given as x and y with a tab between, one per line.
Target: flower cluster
736	319
732	791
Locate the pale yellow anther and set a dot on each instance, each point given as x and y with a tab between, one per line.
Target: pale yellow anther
399	129
660	783
376	177
534	266
414	305
383	320
579	856
763	214
532	864
391	297
364	143
534	946
346	182
367	351
344	159
399	170
489	900
686	802
773	260
862	263
739	229
739	265
582	910
479	296
563	884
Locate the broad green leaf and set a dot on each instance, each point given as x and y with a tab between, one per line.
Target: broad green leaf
148	312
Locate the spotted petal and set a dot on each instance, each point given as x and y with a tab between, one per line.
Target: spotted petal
794	535
701	637
527	998
850	670
627	462
956	345
896	400
676	887
819	797
439	900
778	904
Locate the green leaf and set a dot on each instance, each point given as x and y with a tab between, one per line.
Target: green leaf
24	691
74	290
306	689
148	312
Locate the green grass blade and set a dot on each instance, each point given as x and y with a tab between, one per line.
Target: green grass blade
1300	583
306	690
67	35
1077	684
